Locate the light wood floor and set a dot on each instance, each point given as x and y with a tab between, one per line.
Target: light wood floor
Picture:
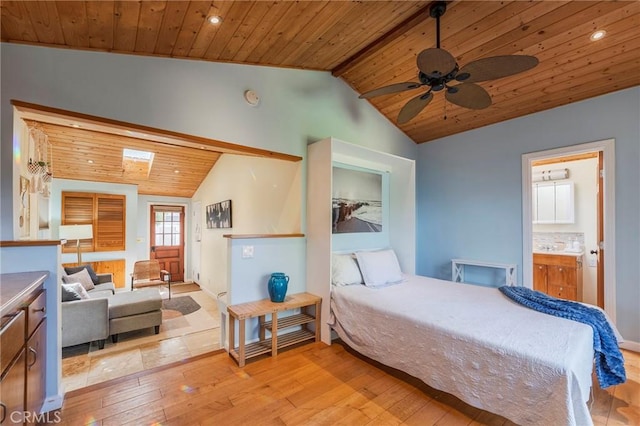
311	384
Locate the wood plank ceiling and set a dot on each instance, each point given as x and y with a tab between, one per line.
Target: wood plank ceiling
83	147
369	44
79	153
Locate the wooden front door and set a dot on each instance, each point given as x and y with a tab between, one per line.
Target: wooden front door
167	239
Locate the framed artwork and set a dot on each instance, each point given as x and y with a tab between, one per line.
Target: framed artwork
356	201
219	215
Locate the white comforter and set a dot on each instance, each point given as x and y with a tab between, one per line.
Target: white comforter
473	342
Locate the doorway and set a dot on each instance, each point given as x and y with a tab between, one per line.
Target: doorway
599	246
167	239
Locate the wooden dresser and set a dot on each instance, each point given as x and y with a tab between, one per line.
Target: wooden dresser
558	275
23	341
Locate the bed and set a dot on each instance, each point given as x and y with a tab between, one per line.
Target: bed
473	342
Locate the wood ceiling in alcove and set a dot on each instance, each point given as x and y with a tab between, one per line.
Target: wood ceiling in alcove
94	151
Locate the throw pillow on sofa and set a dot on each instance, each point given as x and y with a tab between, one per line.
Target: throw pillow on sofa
74	269
81	277
68	293
74	291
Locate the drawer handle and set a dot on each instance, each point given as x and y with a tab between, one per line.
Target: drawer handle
35	356
43	310
4	412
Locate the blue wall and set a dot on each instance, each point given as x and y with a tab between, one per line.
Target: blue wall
469	190
194	97
43	258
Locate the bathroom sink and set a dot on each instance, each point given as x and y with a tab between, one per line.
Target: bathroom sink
568	252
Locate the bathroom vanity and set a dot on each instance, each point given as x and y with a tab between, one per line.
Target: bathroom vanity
558	274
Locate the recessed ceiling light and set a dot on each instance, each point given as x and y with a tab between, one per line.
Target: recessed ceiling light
90	161
215	19
176	171
597	35
75	125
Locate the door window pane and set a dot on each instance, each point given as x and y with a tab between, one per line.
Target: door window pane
167	228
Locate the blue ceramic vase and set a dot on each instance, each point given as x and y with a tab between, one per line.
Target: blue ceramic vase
278	284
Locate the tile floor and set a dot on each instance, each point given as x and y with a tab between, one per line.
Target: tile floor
179	338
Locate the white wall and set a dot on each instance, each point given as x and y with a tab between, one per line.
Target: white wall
43	258
584	175
266	198
469	198
321	242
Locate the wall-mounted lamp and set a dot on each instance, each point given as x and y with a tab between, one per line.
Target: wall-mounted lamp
556	174
76	232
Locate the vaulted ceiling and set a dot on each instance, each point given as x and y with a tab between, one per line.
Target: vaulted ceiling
368	44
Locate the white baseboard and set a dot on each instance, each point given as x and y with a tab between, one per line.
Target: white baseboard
632	346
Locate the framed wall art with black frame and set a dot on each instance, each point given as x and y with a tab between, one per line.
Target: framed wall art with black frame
218	215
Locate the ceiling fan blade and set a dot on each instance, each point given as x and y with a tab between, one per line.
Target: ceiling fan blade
469	95
436	62
496	67
393	88
413	107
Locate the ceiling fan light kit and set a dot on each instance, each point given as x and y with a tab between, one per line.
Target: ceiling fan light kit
437	68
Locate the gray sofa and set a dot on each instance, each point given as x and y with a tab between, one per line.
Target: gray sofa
88	320
107	313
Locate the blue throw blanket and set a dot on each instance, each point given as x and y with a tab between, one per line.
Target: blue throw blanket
609	360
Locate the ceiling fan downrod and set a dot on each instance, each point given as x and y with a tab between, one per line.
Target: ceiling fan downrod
436	11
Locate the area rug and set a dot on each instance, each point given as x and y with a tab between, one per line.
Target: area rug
178	306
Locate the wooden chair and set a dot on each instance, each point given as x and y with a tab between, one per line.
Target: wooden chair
147	273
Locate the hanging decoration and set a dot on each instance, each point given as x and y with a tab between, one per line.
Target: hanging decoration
40	164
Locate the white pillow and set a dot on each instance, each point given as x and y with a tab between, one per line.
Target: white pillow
77	288
81	277
379	267
344	270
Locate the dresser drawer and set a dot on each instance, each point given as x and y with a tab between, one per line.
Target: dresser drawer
11	339
566	292
36	311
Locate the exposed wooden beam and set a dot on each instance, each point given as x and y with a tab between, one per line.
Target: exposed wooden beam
408	24
154	134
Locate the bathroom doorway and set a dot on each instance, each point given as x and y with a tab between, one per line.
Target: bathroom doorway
578	183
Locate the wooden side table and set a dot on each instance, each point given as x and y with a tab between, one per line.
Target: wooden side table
261	309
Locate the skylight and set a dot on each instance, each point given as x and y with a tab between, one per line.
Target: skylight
136	164
133	154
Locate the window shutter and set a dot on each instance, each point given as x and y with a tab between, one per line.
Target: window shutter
77	209
110	226
107	214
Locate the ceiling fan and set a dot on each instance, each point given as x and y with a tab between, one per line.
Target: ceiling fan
437	68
